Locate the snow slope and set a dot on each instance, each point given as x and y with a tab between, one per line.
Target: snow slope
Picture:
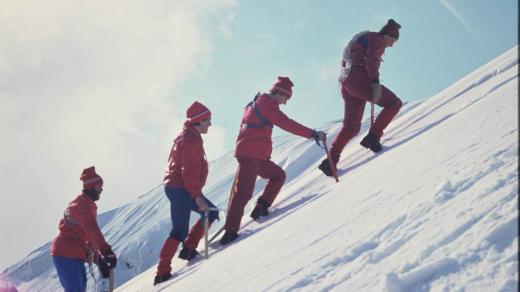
437	210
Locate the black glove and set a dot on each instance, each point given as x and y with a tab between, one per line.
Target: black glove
110	258
104	269
318	136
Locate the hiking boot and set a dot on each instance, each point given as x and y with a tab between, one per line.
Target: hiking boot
325	167
261	209
371	142
161	278
188	253
228	237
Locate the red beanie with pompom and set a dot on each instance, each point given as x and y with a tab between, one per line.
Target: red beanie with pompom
90	178
283	85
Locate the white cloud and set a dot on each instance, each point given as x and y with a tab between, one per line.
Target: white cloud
92	83
225	27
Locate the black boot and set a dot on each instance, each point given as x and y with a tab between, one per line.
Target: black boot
228	237
261	209
188	254
162	278
371	142
325	167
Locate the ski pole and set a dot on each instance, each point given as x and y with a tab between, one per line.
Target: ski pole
329	158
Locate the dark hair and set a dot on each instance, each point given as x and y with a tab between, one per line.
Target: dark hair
198	123
274	91
92	193
391	29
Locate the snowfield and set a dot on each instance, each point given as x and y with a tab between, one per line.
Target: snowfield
437	210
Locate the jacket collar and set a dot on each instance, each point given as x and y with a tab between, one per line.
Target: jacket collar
192	130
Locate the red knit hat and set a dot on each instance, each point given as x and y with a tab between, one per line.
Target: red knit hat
283	85
197	112
90	178
391	29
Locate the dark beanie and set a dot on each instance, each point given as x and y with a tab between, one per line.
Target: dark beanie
391	29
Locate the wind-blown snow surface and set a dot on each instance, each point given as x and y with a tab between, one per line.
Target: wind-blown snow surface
436	210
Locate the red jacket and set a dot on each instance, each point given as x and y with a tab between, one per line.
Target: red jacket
187	165
79	231
254	140
365	55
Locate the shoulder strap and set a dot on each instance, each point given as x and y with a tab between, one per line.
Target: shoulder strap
363	41
69	220
265	122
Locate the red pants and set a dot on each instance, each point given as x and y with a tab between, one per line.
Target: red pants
356	91
248	170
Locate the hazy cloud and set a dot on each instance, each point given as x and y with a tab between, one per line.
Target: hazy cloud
92	83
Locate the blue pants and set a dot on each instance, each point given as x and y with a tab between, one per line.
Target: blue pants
181	205
72	274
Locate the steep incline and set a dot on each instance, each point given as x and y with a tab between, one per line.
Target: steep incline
437	209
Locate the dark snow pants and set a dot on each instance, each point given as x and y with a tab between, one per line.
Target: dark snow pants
248	170
356	91
72	273
181	205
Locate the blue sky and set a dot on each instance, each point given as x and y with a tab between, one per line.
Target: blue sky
107	83
441	41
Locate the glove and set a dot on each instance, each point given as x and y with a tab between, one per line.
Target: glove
201	203
103	267
110	258
377	90
318	136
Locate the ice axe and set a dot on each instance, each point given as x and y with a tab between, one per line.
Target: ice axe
229	201
205	216
107	284
329	158
111	280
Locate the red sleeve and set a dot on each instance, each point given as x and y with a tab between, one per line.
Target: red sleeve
271	111
375	50
191	166
87	217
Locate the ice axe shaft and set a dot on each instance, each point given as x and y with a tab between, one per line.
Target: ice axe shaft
331	163
206	227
